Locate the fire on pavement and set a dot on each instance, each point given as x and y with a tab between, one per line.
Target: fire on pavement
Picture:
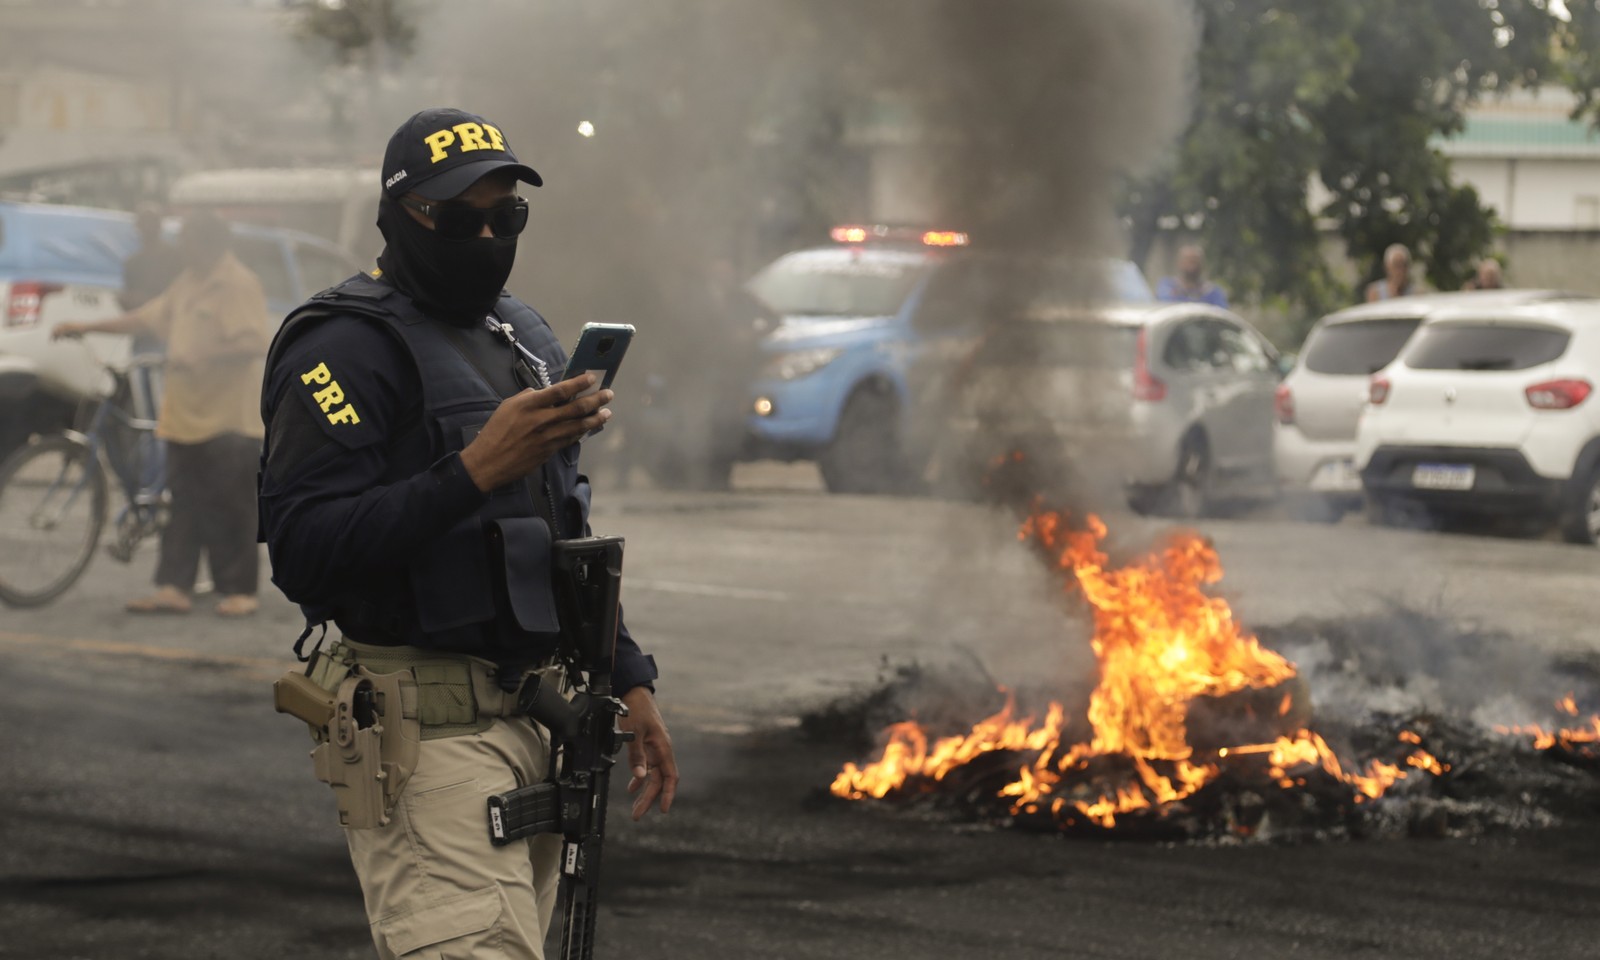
1190	709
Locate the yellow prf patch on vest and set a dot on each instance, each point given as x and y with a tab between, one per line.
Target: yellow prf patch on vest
465	137
331	395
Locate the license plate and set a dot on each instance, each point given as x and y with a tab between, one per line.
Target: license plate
1338	476
1443	476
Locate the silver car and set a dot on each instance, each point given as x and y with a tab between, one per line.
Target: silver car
1319	403
1169	405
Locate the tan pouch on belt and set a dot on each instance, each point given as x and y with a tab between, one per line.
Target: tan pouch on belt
368	766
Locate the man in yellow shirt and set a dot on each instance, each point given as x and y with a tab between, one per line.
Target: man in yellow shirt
214	321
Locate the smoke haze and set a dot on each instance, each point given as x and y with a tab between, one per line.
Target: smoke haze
725	130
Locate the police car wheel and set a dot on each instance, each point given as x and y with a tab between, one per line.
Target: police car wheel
866	454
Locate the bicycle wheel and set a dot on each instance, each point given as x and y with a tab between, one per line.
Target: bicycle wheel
52	506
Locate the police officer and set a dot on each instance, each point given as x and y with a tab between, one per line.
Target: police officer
418	465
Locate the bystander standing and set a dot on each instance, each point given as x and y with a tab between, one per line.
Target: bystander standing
1189	285
1396	280
149	270
213	320
1488	276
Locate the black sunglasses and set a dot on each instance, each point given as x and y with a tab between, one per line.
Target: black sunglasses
461	221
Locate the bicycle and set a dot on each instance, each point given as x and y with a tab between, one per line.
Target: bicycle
54	496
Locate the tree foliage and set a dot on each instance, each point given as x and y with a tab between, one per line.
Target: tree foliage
353	29
1351	95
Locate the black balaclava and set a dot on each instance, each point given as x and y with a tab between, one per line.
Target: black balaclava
458	282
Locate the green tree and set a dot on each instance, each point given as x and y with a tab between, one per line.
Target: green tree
355	29
1353	94
363	38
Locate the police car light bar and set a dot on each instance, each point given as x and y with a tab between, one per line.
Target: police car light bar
856	233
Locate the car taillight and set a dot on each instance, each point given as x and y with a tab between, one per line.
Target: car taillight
1283	402
27	302
1146	387
1378	390
1558	394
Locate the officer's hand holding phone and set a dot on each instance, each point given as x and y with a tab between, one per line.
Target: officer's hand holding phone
529	428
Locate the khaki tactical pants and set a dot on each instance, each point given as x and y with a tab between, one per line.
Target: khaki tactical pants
435	887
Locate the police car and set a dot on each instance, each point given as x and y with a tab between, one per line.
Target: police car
60	263
869	326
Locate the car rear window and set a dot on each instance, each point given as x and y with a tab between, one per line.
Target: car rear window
1485	346
1087	346
1358	348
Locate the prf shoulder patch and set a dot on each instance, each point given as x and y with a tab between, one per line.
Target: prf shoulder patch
329	396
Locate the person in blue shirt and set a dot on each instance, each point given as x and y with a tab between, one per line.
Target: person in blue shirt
1190	284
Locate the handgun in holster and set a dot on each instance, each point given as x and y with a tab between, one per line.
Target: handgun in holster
583	731
366	749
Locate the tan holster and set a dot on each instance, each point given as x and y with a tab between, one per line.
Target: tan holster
367	731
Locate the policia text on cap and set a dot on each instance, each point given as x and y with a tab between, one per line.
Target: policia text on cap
419	464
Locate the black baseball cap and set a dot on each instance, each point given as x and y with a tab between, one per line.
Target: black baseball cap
441	152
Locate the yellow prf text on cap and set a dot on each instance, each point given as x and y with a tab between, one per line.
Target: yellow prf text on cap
465	137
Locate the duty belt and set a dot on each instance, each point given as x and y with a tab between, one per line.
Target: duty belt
455	694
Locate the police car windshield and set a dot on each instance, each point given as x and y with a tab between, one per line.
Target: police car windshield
846	282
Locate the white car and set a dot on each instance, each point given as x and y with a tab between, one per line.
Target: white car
62	263
1490	412
1319	403
1172	403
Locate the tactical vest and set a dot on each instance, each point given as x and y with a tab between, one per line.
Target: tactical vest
484	587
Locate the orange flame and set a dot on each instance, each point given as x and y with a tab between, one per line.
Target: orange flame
1566	738
1161	642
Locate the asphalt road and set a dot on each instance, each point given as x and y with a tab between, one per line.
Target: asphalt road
154	806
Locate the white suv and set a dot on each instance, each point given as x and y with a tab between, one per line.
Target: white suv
1319	403
1489	412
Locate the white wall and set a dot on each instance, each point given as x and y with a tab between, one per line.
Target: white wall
1535	193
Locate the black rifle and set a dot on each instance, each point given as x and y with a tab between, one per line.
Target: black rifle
584	735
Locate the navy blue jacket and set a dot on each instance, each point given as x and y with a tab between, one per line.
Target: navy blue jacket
369	516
